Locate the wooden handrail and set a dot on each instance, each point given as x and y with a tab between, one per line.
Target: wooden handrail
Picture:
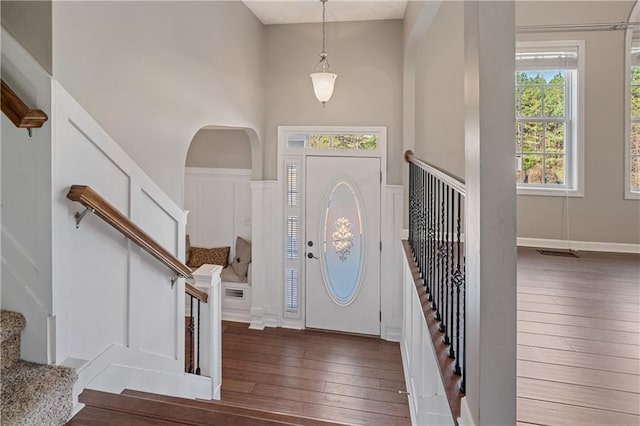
18	112
107	212
450	179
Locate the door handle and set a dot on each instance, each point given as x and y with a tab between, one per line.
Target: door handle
311	256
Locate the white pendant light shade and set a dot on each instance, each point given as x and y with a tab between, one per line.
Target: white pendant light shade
323	85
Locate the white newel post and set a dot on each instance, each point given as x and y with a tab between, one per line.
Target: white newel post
207	279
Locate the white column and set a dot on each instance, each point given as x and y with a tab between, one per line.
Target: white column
207	279
491	213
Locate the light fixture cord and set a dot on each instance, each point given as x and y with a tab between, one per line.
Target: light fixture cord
324	3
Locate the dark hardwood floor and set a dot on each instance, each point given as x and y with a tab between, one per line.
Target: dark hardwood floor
578	339
329	376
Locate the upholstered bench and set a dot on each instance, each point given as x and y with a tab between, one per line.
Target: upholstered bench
235	276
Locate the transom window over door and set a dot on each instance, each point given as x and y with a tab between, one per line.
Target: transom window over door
548	118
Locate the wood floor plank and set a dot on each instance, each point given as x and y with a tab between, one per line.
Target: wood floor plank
312	374
366	393
579	376
256	377
543	341
237	385
582	396
355	417
604	348
550	413
353	360
579	311
579	332
591	323
315	365
260	402
332	400
577	359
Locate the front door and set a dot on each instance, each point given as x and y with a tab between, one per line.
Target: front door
342	282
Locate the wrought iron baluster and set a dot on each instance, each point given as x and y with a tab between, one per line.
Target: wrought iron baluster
464	326
445	285
191	329
459	282
198	342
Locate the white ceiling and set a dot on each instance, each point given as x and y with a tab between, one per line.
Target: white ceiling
307	11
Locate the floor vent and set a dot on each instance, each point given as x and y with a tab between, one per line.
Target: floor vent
561	253
235	293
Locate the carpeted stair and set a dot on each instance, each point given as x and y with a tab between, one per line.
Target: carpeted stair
32	394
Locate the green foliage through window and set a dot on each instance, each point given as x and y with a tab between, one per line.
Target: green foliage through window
541	127
342	141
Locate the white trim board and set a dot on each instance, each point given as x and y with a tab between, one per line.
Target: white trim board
579	245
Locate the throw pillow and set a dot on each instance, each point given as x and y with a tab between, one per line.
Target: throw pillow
210	256
241	262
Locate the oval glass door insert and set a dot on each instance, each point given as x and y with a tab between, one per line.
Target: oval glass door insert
342	236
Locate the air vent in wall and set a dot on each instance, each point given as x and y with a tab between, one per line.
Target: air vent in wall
235	293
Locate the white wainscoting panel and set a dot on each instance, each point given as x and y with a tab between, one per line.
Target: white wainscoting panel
219	205
109	296
427	399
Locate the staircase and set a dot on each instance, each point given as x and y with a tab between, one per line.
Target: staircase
32	394
135	408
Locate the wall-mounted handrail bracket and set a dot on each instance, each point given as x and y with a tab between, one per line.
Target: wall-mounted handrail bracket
174	280
80	215
29	132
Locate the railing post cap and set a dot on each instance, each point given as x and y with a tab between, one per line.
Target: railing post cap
407	155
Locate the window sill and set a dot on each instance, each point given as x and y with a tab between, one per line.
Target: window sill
631	195
550	192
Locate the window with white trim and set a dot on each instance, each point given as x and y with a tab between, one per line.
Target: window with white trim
632	153
548	117
292	258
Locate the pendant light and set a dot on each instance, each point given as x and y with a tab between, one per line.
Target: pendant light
323	79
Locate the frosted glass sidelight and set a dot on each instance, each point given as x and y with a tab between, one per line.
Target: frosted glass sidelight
342	236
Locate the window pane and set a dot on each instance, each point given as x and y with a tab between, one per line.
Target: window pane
554	169
532	168
519	172
518	100
635	139
554	101
343	142
319	141
519	131
635	101
554	138
531	101
635	173
532	137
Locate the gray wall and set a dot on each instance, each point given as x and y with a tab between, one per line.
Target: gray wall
439	90
602	215
367	56
229	149
154	73
29	22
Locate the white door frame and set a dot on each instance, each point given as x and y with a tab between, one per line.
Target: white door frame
298	155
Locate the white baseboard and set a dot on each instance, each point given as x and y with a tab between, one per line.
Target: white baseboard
119	367
235	315
116	378
391	332
579	245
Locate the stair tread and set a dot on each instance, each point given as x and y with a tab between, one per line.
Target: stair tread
186	411
229	407
36	391
167	411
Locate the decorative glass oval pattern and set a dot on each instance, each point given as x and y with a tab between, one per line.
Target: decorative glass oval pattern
342	236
